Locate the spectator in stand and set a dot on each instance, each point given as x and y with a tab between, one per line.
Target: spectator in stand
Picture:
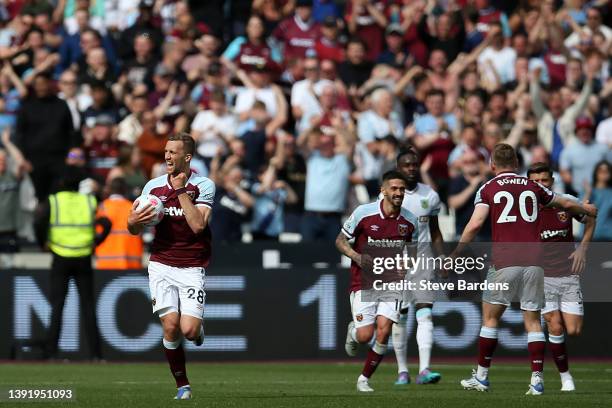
232	205
498	59
102	149
299	33
252	50
129	169
328	45
102	103
381	120
593	25
600	194
366	19
96	68
271	195
355	70
45	133
12	169
139	70
462	191
292	169
214	128
303	98
146	23
395	52
603	134
68	87
151	143
208	47
12	91
131	127
446	34
578	159
470	140
555	124
213	80
327	181
259	87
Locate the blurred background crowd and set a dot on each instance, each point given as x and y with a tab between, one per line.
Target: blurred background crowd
299	106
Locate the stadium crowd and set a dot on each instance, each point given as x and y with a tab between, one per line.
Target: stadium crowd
298	107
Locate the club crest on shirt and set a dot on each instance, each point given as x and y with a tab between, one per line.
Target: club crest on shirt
562	216
153	301
424	203
374	227
359	317
402	229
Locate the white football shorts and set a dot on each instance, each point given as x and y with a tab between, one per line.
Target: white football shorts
563	293
364	313
176	289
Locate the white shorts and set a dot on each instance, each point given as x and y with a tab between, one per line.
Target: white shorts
563	293
418	296
179	290
364	313
525	283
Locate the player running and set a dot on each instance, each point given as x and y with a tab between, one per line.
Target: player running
513	203
563	310
383	223
180	252
422	201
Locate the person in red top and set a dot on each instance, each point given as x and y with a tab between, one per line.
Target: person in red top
328	46
564	309
367	20
513	202
299	33
384	226
180	252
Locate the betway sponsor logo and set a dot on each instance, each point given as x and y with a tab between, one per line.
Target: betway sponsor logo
386	243
174	212
518	180
547	234
302	42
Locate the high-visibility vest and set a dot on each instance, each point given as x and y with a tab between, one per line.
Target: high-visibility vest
120	250
71	224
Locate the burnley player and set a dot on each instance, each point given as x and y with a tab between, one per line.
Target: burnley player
513	203
381	224
563	310
180	252
422	201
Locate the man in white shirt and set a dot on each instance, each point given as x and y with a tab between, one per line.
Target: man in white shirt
213	129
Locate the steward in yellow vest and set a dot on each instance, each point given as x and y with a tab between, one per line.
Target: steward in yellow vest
120	250
66	224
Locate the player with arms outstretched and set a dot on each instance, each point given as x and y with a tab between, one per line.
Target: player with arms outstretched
563	310
422	201
513	203
381	224
180	252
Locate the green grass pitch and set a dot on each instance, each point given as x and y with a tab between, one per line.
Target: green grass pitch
301	385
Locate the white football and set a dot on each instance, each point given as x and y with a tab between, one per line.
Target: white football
150	200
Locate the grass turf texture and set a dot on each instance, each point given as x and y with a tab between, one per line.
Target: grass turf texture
301	385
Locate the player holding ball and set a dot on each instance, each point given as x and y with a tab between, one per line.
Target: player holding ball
180	252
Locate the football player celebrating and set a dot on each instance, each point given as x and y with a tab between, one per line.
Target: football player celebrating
381	224
563	310
422	201
513	203
180	252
